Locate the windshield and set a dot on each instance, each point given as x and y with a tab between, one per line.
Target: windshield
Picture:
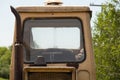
55	39
52	37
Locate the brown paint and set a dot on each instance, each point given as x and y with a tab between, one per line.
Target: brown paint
87	67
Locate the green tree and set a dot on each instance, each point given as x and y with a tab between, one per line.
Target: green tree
5	56
106	41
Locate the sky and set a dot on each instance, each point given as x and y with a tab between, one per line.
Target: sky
7	19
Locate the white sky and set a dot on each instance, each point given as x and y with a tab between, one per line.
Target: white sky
7	18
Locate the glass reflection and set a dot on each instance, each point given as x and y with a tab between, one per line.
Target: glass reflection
52	37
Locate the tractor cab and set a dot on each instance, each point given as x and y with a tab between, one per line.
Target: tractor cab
52	42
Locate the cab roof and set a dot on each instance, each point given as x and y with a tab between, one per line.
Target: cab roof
54	9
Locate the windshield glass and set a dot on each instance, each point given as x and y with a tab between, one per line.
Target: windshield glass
52	37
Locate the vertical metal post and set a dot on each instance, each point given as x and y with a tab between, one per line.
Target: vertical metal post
18	55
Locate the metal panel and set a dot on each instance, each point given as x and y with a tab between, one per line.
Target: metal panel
49	76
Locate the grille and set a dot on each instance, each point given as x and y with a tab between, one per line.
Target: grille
49	76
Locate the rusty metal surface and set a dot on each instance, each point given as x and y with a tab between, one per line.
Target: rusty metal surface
18	61
49	76
18	25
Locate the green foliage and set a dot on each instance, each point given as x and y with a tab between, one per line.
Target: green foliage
3	79
5	55
106	40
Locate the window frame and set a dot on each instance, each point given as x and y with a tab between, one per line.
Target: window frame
82	42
